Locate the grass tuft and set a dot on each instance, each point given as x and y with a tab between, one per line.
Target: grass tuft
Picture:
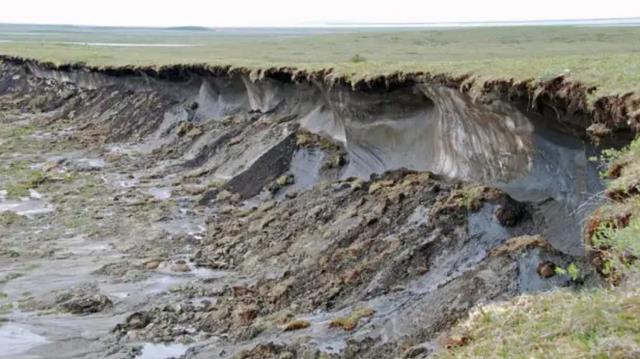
563	324
29	179
297	325
358	58
351	322
9	218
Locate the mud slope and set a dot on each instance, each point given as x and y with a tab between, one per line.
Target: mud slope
217	212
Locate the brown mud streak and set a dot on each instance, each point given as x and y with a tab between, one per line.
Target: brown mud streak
608	120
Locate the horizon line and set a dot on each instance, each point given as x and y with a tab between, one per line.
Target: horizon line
348	24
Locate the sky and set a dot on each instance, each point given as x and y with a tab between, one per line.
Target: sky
216	13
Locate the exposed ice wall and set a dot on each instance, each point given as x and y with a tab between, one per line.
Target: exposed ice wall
421	126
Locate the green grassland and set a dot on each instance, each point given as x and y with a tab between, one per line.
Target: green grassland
608	57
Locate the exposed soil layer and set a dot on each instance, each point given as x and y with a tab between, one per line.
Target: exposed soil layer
282	213
608	117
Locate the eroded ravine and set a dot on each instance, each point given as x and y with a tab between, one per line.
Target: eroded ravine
212	210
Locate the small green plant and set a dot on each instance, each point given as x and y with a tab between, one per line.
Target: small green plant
622	243
611	154
30	180
9	218
216	183
572	271
357	58
471	197
284	180
19	132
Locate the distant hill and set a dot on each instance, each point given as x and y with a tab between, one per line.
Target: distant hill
189	28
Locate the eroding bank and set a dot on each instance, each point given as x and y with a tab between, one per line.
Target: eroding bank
323	198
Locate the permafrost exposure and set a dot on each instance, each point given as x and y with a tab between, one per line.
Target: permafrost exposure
219	213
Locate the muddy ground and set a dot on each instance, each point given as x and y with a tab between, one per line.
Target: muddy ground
135	222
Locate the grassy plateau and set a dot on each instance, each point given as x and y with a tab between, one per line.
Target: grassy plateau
608	57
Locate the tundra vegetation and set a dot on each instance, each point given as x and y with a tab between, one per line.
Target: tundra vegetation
606	57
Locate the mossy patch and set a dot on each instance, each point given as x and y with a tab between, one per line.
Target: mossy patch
6	308
296	325
27	180
307	139
9	218
351	322
469	198
215	184
19	132
25	139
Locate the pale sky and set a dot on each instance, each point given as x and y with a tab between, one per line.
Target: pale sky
299	12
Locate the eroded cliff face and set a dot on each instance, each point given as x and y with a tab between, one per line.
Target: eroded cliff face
428	125
294	212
